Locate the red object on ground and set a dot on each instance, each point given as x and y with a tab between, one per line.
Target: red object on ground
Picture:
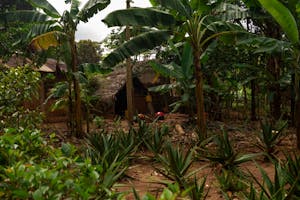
160	115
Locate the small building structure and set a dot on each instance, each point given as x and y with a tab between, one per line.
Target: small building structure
112	91
112	94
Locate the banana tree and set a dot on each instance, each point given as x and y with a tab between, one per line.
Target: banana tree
288	17
64	37
184	20
182	72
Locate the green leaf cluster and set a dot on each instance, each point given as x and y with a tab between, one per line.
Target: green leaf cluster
31	168
17	86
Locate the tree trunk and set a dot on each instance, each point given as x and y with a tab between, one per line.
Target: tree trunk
253	101
87	119
77	98
129	83
297	119
292	96
297	106
297	95
274	88
201	121
70	107
245	98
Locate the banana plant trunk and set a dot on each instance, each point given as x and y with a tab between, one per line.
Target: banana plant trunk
77	100
201	121
297	97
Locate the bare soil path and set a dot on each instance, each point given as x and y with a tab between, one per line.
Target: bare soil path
143	176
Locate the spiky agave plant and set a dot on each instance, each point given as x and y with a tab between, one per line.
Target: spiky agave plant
157	140
196	189
270	189
224	154
291	170
176	164
269	137
108	148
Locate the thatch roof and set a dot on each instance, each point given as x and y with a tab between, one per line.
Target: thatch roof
16	60
110	85
51	66
113	82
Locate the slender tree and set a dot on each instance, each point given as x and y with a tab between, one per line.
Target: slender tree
65	37
129	80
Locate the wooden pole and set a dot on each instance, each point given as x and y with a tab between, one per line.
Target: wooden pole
129	82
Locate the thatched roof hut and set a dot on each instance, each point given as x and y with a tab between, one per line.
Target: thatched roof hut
112	89
112	93
110	85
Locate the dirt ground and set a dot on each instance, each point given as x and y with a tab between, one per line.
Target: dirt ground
144	178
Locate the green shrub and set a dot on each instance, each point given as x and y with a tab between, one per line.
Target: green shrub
17	145
17	86
32	169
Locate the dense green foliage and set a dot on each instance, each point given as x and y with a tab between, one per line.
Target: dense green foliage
18	87
31	168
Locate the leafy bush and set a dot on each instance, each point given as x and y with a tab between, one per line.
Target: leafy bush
17	86
32	169
17	145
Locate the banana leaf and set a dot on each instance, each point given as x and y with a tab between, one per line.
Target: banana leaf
180	6
26	16
139	17
136	46
284	18
91	8
45	6
46	40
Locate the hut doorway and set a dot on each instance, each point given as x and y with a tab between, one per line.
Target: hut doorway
140	92
121	102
